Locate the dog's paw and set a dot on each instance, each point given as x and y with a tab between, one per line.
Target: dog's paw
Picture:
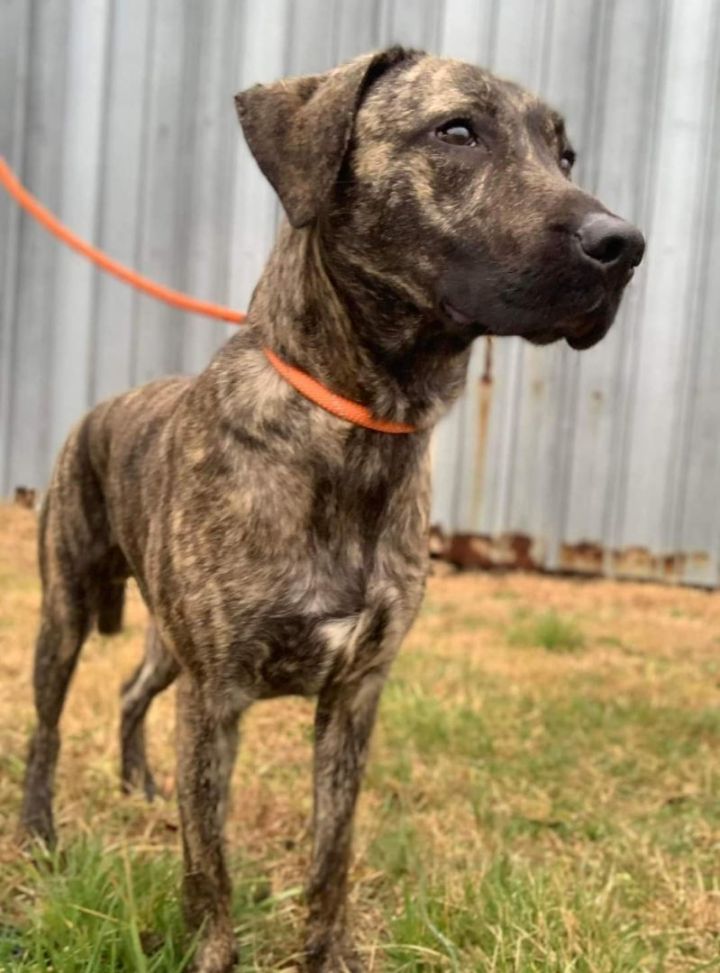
138	779
36	824
326	955
216	954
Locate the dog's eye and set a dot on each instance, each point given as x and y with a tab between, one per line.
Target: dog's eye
456	132
567	161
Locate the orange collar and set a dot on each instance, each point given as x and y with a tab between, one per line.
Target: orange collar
316	392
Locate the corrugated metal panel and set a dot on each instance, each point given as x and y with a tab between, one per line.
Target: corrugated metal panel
119	116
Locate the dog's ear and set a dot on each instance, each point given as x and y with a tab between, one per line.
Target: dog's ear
299	129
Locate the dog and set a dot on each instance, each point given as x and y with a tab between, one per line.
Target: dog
280	548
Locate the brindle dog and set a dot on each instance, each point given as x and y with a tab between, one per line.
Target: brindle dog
279	549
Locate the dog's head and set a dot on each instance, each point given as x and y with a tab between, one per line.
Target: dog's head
449	186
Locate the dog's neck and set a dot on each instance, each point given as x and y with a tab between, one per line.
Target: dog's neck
319	314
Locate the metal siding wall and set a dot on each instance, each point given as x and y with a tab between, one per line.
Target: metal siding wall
617	170
657	431
75	280
26	423
115	322
14	25
696	523
119	116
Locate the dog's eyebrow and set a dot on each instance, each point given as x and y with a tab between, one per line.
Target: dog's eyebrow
546	120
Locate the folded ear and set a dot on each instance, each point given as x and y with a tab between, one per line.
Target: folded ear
299	129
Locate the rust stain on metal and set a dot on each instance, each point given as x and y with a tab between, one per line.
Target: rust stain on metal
632	562
26	497
673	566
587	557
483	551
698	560
639	562
520	551
584	558
522	548
487	371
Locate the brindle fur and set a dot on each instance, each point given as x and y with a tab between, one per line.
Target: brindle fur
279	549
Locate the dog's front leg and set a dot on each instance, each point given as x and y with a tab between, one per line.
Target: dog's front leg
207	744
343	723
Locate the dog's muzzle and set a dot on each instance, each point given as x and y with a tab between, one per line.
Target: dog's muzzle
569	287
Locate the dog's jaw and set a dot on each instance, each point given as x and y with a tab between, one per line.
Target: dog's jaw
323	314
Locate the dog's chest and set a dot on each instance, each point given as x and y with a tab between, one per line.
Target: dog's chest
359	579
303	572
321	626
296	653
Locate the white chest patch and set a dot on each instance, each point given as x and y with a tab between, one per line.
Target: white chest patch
339	635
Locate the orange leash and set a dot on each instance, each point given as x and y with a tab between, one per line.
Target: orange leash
303	383
51	223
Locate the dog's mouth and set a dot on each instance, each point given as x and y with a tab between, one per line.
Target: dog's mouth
582	327
581	331
585	334
566	286
454	316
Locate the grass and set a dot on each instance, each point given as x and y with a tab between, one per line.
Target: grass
548	631
94	911
543	794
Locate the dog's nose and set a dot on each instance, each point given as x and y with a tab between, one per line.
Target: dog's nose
610	241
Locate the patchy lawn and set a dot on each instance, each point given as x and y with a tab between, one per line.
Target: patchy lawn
543	793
